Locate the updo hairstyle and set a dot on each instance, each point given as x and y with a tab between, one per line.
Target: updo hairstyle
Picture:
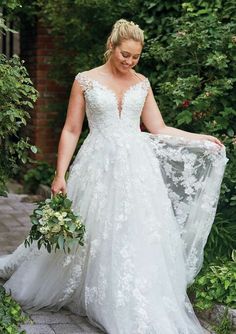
123	30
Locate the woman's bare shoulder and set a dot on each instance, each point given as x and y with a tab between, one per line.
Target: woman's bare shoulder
140	75
92	71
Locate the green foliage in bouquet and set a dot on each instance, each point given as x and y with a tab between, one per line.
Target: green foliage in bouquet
55	225
17	96
216	283
11	315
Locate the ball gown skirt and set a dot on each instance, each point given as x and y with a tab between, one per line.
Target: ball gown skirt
148	203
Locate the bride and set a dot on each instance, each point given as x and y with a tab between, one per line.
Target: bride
148	201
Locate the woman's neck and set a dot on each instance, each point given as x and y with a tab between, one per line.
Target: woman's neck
112	69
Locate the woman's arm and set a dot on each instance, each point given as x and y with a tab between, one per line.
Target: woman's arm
69	136
153	121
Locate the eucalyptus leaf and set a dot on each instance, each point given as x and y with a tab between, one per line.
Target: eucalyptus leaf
61	242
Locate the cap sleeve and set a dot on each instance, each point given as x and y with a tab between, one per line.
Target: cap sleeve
146	83
84	82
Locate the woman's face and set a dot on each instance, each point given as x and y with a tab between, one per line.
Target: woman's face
126	55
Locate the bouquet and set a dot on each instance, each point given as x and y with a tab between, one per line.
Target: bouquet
55	225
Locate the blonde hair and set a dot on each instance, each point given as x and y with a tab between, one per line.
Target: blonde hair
123	30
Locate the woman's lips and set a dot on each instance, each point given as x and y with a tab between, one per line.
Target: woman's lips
125	65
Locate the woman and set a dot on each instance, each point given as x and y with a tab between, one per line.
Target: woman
144	198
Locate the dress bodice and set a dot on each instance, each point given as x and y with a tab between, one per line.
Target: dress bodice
103	108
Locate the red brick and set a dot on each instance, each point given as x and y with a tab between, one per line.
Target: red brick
37	50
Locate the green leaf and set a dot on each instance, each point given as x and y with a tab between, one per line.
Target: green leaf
230	132
61	242
34	220
72	227
49	247
33	149
227	284
67	203
185	117
234	255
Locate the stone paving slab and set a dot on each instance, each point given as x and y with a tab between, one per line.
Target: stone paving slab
14	227
38	329
61	322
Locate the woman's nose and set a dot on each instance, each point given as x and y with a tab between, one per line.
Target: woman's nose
129	61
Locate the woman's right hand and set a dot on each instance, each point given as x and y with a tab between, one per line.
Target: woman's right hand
58	185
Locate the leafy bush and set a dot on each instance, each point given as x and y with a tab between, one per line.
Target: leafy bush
10	314
17	95
82	28
193	75
216	284
155	17
43	173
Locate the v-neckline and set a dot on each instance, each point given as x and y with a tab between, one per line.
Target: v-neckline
119	100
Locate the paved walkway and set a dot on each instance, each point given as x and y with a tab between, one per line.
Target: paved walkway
14	227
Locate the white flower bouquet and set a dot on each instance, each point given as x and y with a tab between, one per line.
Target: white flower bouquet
55	225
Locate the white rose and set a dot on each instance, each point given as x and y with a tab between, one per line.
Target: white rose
56	229
57	214
42	221
44	229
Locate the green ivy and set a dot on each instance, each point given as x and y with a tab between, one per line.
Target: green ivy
10	314
216	284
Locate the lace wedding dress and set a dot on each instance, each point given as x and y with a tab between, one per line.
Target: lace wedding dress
148	202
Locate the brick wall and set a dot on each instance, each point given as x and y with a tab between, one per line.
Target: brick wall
36	49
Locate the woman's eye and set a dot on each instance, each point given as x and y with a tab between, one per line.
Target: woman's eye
126	55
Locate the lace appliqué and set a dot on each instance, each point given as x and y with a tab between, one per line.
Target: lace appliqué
84	82
190	170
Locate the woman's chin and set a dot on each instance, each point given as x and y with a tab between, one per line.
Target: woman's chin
125	68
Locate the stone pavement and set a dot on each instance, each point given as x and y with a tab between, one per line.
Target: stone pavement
14	227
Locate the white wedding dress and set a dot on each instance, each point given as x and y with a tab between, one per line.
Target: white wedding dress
148	203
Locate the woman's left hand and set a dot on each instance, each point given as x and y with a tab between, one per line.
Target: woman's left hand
212	139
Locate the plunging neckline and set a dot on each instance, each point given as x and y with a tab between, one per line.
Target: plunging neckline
119	100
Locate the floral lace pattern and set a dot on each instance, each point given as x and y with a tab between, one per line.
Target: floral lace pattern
188	168
148	203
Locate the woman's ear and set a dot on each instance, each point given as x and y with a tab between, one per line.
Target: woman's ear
110	46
